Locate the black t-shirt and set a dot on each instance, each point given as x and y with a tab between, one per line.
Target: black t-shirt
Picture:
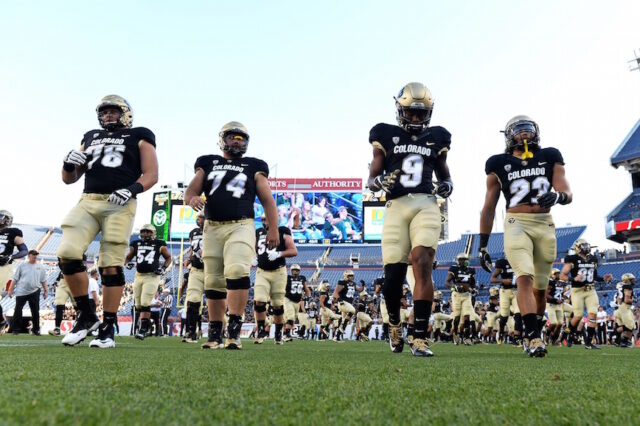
348	292
295	287
147	254
507	272
7	238
113	158
463	276
230	186
263	252
415	155
522	181
195	237
588	267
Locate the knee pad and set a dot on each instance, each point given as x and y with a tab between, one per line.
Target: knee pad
116	280
70	267
259	307
278	310
215	295
144	309
238	283
517	319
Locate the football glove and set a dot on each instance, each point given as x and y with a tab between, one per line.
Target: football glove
122	196
159	271
385	182
273	255
130	265
551	198
485	259
5	259
75	158
444	188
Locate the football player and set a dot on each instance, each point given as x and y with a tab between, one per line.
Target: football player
440	318
271	279
555	291
625	322
118	162
492	316
195	280
406	320
404	160
10	238
230	183
344	293
377	285
461	279
363	317
327	314
581	270
525	173
503	274
61	296
312	315
146	251
296	287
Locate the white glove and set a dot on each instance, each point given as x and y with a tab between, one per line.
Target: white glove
581	277
120	196
75	157
273	255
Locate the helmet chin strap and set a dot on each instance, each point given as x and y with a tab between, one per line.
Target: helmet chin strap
526	154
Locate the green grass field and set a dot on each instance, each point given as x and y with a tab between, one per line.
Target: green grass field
164	381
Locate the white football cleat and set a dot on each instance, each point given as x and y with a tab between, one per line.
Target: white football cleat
103	343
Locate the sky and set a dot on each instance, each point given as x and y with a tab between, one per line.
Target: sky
310	80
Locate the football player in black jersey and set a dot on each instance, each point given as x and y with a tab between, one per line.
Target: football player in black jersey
492	316
625	322
404	160
326	313
230	183
555	291
581	270
118	162
271	279
363	317
440	318
525	173
147	251
503	274
344	293
195	282
461	279
10	238
378	284
296	288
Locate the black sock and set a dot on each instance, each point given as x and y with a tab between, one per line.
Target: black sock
110	317
59	314
503	322
144	325
260	327
385	330
302	330
83	307
530	326
234	327
421	313
474	333
466	328
541	322
215	330
591	333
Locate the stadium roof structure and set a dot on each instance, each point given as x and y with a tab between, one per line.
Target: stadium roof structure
628	152
623	223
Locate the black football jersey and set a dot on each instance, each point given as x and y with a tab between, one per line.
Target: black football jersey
7	238
195	238
113	158
437	306
415	155
230	186
494	304
523	180
348	292
312	313
463	276
588	267
295	287
507	272
556	289
327	303
147	254
263	252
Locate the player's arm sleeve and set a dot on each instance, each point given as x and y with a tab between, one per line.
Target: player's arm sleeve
285	231
489	166
262	168
554	156
146	135
376	138
442	137
201	163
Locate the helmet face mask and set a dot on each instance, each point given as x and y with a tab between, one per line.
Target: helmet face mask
515	130
414	106
581	246
6	218
108	103
148	232
462	260
629	278
295	270
234	139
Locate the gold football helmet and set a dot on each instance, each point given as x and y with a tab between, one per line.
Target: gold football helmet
629	278
494	291
238	129
148	228
6	218
414	105
126	113
347	274
437	295
462	259
554	272
295	267
518	124
581	246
